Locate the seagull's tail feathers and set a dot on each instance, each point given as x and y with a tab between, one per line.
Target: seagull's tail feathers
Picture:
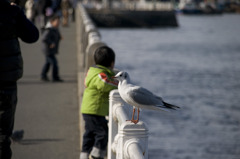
170	106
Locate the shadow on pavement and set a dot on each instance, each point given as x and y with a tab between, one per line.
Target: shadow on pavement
37	141
35	79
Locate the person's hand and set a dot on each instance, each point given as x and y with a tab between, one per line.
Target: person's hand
13	4
52	46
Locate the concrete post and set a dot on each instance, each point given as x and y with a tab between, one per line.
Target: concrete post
126	140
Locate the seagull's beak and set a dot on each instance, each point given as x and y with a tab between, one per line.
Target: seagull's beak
113	77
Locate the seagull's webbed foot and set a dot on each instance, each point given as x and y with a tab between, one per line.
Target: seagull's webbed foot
134	121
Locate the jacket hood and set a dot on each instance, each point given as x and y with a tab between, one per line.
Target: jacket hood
48	25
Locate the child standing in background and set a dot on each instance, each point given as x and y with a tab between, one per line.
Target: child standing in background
95	104
50	41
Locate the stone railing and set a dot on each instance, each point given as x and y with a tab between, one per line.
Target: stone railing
88	37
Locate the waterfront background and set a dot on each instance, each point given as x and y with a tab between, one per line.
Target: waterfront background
195	66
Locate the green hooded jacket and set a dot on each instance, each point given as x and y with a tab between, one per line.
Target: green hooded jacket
98	84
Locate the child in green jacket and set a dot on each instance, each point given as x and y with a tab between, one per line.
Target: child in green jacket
95	103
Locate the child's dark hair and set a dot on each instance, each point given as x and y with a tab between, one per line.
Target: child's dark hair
54	17
104	56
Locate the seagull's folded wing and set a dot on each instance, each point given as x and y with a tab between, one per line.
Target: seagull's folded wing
144	97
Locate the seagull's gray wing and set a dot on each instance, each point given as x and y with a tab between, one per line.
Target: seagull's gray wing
143	96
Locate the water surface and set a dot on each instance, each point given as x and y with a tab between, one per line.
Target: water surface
195	66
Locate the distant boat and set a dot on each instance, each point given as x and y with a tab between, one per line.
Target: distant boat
198	8
151	15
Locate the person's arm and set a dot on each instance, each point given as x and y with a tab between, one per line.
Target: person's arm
47	39
105	83
26	30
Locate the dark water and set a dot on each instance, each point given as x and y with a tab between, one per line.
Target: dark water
195	66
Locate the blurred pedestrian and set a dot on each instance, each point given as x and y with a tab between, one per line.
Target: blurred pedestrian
65	6
40	10
29	7
50	41
56	6
13	25
74	5
95	103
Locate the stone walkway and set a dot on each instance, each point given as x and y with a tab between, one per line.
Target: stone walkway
48	112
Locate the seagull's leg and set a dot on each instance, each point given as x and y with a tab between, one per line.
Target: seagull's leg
138	111
132	115
138	115
136	121
134	109
132	120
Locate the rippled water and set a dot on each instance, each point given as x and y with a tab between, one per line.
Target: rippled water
195	66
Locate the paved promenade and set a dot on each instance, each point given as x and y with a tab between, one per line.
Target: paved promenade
48	112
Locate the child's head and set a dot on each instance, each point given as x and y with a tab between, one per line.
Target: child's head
55	21
104	56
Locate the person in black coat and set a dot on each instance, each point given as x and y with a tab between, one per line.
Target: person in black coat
13	25
50	44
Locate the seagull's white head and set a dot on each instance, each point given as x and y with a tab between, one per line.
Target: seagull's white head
121	76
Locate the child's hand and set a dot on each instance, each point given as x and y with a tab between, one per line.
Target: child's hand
52	46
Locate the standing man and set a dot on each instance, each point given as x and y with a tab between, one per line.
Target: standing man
13	25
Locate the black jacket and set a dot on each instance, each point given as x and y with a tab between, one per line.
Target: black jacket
13	25
50	36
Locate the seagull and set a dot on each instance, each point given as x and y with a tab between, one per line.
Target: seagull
139	97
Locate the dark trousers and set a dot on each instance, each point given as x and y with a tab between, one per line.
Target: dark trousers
51	60
96	133
8	102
